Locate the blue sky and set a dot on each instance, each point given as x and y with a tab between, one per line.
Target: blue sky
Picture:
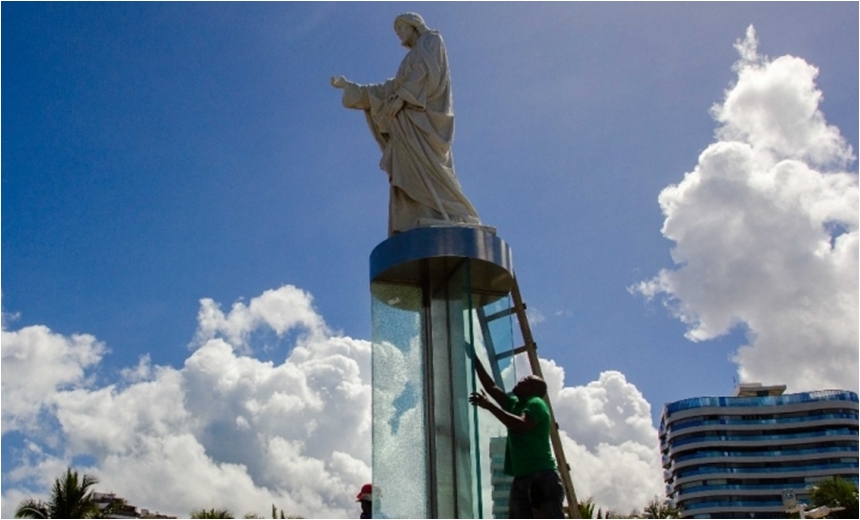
154	155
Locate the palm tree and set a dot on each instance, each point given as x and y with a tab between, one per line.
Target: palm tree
836	492
32	508
586	508
211	513
660	508
71	497
275	513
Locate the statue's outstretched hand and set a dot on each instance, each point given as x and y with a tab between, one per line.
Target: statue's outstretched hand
338	82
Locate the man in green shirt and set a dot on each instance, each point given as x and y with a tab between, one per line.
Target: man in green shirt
537	490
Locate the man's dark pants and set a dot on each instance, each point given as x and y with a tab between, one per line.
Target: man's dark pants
537	495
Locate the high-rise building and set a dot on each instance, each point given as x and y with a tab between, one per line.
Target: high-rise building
732	457
500	481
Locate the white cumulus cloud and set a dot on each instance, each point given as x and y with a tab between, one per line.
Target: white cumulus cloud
766	231
609	439
280	310
36	363
224	430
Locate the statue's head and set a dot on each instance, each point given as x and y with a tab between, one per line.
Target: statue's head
413	19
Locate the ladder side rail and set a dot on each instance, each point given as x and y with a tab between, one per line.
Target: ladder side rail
531	350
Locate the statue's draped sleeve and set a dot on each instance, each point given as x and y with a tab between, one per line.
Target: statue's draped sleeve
416	142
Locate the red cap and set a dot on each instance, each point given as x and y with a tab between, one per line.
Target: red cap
366	493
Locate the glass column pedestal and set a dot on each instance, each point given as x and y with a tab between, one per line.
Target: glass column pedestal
432	289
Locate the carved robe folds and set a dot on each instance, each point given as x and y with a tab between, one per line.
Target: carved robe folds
416	141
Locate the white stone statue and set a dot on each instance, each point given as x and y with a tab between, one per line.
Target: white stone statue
411	117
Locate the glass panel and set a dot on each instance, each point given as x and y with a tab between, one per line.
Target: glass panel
443	383
456	477
494	323
468	474
493	341
399	422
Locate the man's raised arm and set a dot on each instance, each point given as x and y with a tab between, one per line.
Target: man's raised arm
489	385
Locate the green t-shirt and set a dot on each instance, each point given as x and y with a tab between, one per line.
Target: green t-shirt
529	451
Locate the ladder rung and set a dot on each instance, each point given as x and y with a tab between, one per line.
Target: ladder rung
501	314
513	352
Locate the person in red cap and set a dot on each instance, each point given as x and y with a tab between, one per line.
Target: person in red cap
365	496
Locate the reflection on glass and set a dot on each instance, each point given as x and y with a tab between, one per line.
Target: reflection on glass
399	423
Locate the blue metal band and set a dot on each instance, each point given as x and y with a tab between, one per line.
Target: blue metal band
398	259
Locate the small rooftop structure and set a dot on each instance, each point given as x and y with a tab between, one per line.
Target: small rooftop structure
757	390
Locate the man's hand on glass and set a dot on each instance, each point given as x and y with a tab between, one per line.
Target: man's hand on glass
480	400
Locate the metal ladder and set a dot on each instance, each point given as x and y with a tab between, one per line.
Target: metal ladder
530	349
